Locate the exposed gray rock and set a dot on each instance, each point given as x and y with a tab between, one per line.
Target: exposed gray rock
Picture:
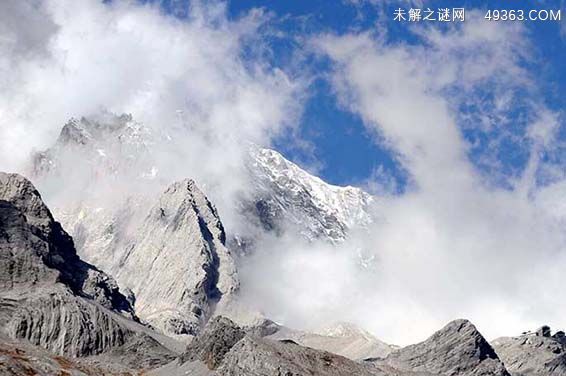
141	351
265	328
253	356
57	320
210	347
178	267
48	295
35	248
456	349
166	249
536	354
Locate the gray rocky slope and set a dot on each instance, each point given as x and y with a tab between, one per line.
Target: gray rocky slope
51	255
49	297
534	354
223	348
457	349
178	267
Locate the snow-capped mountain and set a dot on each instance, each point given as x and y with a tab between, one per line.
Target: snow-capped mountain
166	245
284	194
100	147
109	155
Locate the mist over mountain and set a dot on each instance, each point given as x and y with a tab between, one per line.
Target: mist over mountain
242	188
318	244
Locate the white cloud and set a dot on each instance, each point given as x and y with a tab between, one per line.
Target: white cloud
201	80
452	246
125	57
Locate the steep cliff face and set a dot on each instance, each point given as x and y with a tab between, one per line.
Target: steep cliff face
36	249
178	266
166	248
48	295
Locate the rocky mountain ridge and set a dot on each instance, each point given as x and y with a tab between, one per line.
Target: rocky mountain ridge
281	196
286	195
191	269
167	249
457	349
121	231
224	348
52	321
49	297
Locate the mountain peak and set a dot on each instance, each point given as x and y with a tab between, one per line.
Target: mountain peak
178	266
456	349
285	195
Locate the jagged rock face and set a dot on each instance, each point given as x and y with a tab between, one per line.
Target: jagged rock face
48	295
167	249
17	267
36	249
538	354
456	349
178	267
286	196
281	195
105	145
36	254
97	166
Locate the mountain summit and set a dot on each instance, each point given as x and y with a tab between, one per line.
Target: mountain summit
457	349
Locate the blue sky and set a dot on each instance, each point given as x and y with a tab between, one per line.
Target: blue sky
339	148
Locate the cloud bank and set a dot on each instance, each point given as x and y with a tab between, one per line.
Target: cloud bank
201	81
455	244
